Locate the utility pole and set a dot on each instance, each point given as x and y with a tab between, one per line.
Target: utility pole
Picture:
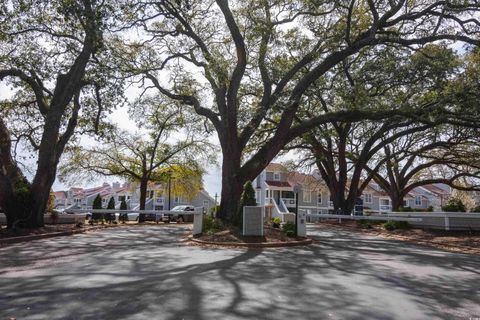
215	204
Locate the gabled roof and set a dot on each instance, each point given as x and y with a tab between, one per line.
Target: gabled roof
282	184
60	195
275	167
307	181
375	188
438	189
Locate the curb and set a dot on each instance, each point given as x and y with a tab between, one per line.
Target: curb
305	242
49	235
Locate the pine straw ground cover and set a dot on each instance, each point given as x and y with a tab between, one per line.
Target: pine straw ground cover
455	241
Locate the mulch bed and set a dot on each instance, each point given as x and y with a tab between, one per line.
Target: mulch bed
455	241
49	228
232	237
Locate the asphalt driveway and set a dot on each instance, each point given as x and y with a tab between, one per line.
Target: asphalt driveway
143	272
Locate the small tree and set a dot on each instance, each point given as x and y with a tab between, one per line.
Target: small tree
97	204
123	216
248	199
111	204
454	205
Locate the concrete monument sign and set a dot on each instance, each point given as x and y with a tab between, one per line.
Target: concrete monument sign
253	221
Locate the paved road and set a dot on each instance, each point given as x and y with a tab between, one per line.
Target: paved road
142	272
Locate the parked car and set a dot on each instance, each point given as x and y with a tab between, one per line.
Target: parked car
133	216
156	217
178	214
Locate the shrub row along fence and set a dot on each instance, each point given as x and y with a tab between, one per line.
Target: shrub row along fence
428	220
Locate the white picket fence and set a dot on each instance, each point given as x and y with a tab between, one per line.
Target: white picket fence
428	220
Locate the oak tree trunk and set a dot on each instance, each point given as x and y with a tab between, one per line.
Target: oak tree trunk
143	192
232	188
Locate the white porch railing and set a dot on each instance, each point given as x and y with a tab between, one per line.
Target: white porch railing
289	202
385	208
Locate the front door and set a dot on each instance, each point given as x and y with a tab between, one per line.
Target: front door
276	196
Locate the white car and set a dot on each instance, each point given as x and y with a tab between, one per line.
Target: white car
133	216
177	214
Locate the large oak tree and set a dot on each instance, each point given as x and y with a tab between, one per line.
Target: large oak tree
241	63
49	53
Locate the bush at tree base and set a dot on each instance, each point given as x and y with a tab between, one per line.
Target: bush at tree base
289	229
210	225
248	199
393	225
454	205
214	210
19	205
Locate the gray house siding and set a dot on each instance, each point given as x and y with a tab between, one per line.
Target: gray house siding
270	176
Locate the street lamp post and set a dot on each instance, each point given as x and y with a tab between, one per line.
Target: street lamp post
296	189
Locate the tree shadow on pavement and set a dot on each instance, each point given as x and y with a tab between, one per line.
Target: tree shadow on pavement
144	273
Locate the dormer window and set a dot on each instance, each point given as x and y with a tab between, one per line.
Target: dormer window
276	176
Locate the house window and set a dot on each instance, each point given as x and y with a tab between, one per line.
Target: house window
206	204
319	198
307	196
276	176
368	198
405	203
176	199
257	195
418	201
385	202
121	198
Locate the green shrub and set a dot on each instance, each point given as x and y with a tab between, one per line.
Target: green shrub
109	217
364	223
123	217
454	205
393	225
97	202
54	216
210	225
476	209
248	199
123	205
405	209
289	229
276	222
214	210
111	204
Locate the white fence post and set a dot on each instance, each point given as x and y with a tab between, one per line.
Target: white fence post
302	223
447	223
197	223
